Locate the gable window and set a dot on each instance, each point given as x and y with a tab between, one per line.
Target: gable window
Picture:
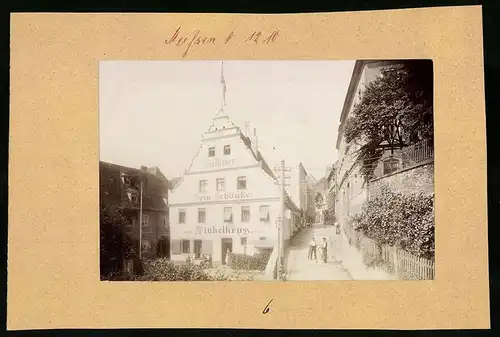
228	214
211	151
203	186
182	216
264	213
185	246
245	213
202	214
220	184
227	150
242	183
145	220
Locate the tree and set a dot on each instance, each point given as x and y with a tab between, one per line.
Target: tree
318	200
395	110
115	245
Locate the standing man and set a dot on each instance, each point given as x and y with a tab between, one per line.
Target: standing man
324	247
312	249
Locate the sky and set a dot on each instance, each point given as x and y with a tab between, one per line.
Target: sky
153	113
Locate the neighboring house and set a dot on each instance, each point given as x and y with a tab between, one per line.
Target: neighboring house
300	188
408	170
351	188
321	188
119	186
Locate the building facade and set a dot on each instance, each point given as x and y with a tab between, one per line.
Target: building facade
228	199
351	190
300	188
120	187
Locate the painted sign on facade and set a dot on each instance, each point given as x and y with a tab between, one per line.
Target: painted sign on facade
220	163
204	230
225	196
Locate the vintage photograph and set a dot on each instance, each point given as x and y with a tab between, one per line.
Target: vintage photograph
266	170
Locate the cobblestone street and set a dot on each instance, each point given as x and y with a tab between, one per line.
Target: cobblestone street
301	268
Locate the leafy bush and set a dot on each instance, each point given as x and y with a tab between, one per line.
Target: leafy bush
164	270
400	219
242	261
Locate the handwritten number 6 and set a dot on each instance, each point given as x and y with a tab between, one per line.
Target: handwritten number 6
266	309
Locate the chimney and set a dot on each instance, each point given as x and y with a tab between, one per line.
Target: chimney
255	147
144	168
247	129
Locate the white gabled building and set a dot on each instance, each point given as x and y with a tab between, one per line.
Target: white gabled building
228	199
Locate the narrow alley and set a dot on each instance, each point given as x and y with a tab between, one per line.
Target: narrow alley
301	268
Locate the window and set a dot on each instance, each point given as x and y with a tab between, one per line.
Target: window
242	183
228	214
262	238
227	150
264	213
146	246
145	220
243	241
245	213
182	216
211	151
165	221
201	215
133	197
203	186
185	246
220	184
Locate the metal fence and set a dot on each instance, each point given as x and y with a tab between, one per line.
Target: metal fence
417	153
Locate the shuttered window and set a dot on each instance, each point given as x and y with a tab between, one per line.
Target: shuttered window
175	246
228	214
245	213
185	247
182	216
264	213
202	215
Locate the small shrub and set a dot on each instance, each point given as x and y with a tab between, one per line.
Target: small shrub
242	261
164	270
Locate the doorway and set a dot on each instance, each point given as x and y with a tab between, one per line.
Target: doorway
226	244
197	248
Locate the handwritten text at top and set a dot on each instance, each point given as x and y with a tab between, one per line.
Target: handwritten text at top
188	40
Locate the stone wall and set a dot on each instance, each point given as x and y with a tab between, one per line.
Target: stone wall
417	179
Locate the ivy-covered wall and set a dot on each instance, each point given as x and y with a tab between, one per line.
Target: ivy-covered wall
419	179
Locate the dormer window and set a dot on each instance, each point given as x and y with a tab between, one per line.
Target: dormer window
133	197
227	150
211	151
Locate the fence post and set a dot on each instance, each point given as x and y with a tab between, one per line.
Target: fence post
396	261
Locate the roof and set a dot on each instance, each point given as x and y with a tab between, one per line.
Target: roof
258	156
265	166
351	91
172	183
112	191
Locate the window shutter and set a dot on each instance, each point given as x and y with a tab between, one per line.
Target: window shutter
206	247
176	246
